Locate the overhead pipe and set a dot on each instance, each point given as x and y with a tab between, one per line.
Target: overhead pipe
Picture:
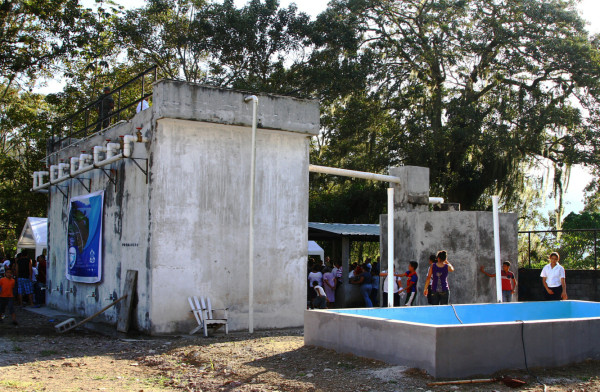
353	173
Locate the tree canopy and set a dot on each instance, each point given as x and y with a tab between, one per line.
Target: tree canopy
479	91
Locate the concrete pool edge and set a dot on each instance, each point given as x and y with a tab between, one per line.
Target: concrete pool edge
452	351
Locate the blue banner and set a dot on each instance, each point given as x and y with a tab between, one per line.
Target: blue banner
84	238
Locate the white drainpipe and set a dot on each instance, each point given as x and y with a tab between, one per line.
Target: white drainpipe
63	172
53	173
38	182
85	162
97	151
128	141
254	100
73	169
497	256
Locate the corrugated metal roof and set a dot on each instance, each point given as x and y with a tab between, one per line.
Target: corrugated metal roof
348	229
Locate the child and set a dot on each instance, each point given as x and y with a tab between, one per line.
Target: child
7	285
438	275
396	300
509	283
411	283
320	301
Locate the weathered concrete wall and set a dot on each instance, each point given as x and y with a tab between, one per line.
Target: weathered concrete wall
581	285
126	232
199	205
174	99
467	236
186	230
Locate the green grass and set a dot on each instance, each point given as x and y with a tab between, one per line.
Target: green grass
47	353
17	349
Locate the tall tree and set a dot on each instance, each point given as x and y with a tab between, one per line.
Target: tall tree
476	90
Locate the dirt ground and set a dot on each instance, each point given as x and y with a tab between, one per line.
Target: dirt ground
34	358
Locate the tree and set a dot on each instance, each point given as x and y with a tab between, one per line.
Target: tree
36	35
578	249
23	131
475	90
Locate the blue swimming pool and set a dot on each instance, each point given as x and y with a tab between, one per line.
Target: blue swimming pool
493	337
483	313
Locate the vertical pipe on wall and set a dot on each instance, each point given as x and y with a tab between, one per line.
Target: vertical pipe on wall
497	249
254	100
529	248
390	250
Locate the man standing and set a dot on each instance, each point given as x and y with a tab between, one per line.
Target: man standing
553	278
24	273
105	107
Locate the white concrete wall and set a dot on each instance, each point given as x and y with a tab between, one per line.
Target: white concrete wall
467	236
186	231
125	233
199	209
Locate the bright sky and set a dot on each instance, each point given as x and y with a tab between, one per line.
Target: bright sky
590	9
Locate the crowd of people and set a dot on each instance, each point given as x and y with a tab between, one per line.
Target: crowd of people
325	277
22	279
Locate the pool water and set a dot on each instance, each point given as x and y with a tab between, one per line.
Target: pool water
483	313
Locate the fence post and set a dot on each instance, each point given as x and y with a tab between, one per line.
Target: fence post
595	252
529	248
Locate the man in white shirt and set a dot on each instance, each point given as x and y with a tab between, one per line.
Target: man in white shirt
320	300
553	278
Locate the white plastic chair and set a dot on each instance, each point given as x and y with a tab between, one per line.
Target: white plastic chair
203	312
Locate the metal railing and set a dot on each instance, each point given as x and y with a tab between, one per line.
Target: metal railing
71	127
579	243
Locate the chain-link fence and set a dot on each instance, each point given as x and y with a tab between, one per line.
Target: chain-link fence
577	248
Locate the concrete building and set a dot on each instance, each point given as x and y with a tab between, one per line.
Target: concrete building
468	236
181	217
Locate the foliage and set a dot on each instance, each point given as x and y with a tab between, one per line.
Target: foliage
23	129
473	89
37	35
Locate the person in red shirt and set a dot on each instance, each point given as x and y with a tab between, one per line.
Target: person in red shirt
509	283
7	300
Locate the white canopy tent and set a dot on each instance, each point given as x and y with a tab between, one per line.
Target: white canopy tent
34	235
315	250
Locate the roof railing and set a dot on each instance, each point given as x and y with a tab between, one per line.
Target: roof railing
64	132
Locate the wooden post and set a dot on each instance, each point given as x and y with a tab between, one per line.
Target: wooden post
124	318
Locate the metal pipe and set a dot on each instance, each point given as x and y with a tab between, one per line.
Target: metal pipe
390	250
497	249
436	200
254	100
40	182
353	173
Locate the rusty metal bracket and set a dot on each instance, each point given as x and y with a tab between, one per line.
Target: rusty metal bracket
140	167
87	188
60	190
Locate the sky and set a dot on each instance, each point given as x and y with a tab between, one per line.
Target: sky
590	10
